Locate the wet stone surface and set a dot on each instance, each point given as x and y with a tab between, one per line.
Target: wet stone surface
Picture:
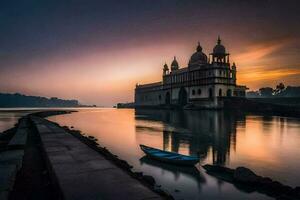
77	166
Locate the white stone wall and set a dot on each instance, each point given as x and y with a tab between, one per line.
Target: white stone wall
175	94
204	91
224	89
151	98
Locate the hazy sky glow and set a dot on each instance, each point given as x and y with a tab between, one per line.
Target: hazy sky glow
96	51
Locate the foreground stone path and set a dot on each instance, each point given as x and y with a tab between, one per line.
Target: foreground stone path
82	173
11	159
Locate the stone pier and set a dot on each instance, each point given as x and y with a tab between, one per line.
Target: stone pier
11	159
81	172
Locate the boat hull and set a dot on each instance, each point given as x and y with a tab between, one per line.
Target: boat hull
169	157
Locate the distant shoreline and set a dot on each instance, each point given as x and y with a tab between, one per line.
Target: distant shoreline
16	100
11	109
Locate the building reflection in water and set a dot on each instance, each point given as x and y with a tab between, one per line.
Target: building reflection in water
200	132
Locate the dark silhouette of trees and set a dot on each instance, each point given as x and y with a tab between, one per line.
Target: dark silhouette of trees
279	91
279	88
266	92
19	100
253	94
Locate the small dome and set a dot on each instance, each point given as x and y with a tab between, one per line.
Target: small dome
198	57
219	49
166	68
174	64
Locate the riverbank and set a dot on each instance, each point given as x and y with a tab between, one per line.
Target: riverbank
46	180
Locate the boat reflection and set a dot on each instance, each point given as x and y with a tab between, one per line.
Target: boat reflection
177	171
204	133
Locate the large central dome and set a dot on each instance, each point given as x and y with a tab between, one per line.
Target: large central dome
198	57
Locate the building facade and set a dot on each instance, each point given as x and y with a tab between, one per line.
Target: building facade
205	82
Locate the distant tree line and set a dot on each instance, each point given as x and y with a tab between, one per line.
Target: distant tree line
125	105
279	91
20	100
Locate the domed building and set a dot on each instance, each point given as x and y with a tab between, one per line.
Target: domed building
205	83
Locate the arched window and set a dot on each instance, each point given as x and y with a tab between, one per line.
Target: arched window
193	92
220	92
182	97
199	91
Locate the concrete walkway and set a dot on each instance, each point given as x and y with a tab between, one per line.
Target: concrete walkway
11	160
82	173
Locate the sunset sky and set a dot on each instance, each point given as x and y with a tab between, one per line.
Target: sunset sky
96	51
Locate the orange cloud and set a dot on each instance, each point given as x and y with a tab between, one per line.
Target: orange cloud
257	65
258	53
263	74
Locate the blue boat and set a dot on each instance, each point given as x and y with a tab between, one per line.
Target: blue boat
169	157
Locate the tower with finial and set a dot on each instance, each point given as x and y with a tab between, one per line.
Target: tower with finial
233	71
199	48
219	54
219	40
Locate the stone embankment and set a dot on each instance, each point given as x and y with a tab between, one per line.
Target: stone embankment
245	179
77	166
11	156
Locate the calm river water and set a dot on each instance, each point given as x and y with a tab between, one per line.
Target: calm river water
8	118
267	145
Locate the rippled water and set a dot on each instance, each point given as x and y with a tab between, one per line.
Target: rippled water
267	145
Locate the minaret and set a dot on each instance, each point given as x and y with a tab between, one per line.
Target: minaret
233	71
165	69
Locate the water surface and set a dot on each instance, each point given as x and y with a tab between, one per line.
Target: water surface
268	145
8	118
